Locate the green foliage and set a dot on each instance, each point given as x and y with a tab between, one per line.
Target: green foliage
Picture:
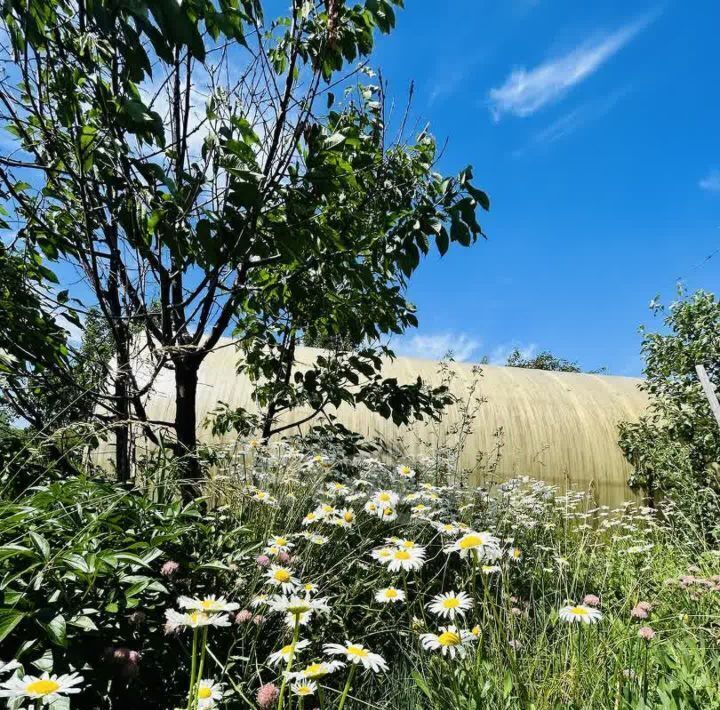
79	578
675	449
545	361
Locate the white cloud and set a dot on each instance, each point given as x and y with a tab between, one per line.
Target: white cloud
436	346
526	91
711	181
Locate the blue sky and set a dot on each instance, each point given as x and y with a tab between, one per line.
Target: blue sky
594	129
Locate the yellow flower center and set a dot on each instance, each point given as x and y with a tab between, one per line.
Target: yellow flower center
327	508
408	544
405	470
286	649
402	555
475	631
208	603
470	541
304	690
281	575
384	497
280	541
384	552
42	687
204	693
357	651
516	553
388	511
196	617
348	516
579	611
449	638
391	593
315	670
452	603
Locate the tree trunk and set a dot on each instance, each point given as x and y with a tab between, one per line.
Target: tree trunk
122	429
186	379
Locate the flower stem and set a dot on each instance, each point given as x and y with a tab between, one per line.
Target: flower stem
291	656
346	690
191	690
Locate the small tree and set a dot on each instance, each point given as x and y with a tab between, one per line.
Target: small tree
675	448
260	209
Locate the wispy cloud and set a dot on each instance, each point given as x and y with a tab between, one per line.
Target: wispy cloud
570	122
526	91
711	182
436	346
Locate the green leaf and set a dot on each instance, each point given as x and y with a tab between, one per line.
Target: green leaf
9	619
41	543
57	630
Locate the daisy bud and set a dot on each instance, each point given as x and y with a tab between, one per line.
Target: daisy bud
646	633
243	616
591	600
267	695
169	568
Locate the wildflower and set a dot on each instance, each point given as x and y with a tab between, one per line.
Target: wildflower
284	653
243	617
194	619
591	600
208	693
126	660
304	688
280	543
310	518
450	604
209	603
258	619
169	568
387	514
515	554
267	695
280	576
646	633
451	641
298	609
382	554
357	653
406	560
316	670
262	561
309	588
371	507
46	688
405	471
639	612
490	569
389	595
385	499
446	528
259	600
580	613
482	544
345	518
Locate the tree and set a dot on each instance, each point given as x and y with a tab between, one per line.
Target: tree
675	448
545	361
263	212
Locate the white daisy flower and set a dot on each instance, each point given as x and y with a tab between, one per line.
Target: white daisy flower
451	641
298	608
208	604
385	499
382	554
208	693
280	576
194	619
284	653
580	614
483	544
389	595
325	510
357	653
450	604
304	688
371	507
259	600
45	688
515	554
310	518
316	670
387	514
280	543
490	569
405	471
446	528
345	518
406	559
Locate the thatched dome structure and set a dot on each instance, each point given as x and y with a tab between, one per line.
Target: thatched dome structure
560	427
